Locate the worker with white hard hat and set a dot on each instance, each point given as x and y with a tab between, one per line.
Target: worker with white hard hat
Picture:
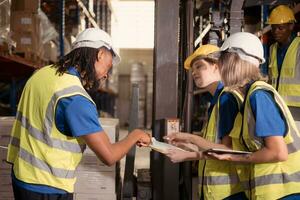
284	60
217	180
269	132
56	118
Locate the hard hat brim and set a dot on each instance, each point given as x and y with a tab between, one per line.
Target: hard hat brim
282	22
212	53
97	45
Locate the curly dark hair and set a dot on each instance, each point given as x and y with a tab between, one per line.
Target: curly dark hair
83	59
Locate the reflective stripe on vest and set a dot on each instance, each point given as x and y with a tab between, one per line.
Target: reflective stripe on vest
289	82
61	173
218	179
38	163
41	154
46	139
275	179
272	180
50	108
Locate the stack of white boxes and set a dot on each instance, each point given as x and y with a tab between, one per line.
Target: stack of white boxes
95	180
6	192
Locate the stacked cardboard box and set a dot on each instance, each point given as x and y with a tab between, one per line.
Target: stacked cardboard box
25	28
23	5
6	192
95	180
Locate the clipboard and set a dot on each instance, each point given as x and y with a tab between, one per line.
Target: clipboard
162	147
226	151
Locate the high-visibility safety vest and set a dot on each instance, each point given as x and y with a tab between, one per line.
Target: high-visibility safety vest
270	180
39	152
289	81
218	179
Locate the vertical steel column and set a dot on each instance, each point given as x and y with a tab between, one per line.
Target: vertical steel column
62	28
98	13
129	183
164	174
264	16
185	168
13	96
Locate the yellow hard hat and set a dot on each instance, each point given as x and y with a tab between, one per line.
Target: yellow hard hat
281	15
205	50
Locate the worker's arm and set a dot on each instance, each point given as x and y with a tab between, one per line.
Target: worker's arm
275	150
176	155
178	138
110	153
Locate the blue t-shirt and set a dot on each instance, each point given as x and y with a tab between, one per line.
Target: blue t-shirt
269	120
227	111
75	116
268	117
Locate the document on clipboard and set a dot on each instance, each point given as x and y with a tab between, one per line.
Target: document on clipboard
162	147
225	151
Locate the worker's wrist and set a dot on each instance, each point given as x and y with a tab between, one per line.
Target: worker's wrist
137	134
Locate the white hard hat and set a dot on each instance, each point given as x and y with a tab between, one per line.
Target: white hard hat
247	45
96	38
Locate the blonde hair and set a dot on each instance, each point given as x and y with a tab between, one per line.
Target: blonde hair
235	72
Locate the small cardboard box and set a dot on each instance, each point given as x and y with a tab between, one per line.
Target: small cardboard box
85	196
111	128
7	196
95	182
27	42
22	21
4	166
5	183
25	5
4	140
6	124
90	162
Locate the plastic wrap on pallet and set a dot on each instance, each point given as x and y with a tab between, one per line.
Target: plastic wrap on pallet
49	38
5	40
48	31
34	35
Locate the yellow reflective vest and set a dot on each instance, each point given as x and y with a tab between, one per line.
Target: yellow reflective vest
218	179
39	152
289	81
270	180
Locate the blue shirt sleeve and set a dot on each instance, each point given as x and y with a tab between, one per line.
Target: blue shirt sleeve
228	111
77	116
268	117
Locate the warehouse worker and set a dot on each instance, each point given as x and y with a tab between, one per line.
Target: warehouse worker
217	180
268	130
284	65
56	117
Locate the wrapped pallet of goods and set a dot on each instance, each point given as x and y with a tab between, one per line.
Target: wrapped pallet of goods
33	33
31	6
6	42
95	180
6	192
25	29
